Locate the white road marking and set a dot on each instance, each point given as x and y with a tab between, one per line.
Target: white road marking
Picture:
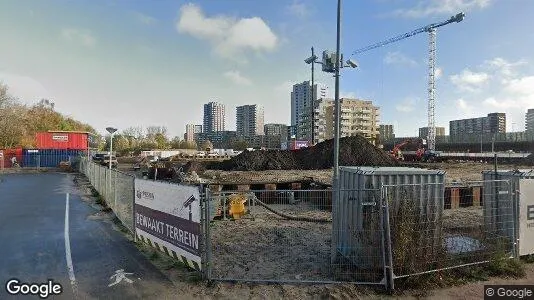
70	267
119	276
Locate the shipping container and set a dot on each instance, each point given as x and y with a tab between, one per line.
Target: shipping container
48	158
501	198
7	156
356	218
63	140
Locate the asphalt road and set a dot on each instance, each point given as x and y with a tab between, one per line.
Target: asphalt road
37	244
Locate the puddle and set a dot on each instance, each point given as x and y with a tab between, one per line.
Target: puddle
462	244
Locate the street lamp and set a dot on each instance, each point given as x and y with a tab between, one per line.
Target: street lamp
111	131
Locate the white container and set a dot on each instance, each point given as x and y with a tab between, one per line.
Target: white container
358	219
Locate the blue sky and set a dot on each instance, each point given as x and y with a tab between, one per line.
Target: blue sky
141	63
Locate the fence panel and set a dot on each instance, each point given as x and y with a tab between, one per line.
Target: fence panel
427	238
285	236
116	188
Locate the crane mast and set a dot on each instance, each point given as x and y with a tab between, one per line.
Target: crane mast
431	29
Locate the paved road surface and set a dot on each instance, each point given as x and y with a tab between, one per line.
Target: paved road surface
35	243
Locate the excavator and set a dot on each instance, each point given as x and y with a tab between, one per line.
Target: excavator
421	154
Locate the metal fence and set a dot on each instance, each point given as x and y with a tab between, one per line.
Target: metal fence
393	232
115	187
286	236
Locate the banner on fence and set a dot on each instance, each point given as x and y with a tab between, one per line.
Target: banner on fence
526	217
167	217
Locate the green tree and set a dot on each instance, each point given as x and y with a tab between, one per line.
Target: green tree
240	145
175	143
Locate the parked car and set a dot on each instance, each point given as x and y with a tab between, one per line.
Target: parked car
105	161
98	157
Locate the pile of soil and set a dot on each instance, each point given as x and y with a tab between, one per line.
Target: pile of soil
354	151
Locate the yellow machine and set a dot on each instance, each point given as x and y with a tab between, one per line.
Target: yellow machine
237	205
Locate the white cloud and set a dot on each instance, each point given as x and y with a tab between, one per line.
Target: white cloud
466	109
298	9
81	36
236	77
229	36
27	89
425	8
504	67
398	58
439	73
408	105
145	19
469	81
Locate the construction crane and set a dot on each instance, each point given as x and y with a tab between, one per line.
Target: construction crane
431	29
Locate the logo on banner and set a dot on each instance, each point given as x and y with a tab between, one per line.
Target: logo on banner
144	195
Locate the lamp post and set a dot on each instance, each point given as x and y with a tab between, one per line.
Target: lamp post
312	60
111	131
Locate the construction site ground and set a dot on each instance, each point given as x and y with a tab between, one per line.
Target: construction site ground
455	171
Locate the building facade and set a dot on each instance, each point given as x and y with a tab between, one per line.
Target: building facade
357	117
275	129
529	124
249	120
423	132
219	139
302	99
214	117
191	130
386	132
475	129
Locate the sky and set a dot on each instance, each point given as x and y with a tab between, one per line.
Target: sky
155	63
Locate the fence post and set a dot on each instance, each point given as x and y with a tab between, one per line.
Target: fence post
209	264
133	209
390	278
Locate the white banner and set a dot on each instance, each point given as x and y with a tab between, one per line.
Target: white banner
169	216
526	217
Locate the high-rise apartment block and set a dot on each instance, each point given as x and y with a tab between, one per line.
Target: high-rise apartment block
423	132
529	124
191	130
357	117
386	132
302	100
469	130
249	120
275	129
214	117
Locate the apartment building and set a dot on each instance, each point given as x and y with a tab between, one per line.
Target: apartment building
529	124
424	131
357	117
214	117
249	120
302	99
469	130
191	130
386	132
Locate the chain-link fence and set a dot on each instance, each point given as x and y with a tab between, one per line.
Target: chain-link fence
115	187
425	237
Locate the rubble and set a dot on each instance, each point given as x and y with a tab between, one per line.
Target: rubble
354	151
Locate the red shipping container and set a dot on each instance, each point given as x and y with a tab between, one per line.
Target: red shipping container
62	140
8	154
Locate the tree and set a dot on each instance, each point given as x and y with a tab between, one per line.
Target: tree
175	143
240	145
188	144
206	146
